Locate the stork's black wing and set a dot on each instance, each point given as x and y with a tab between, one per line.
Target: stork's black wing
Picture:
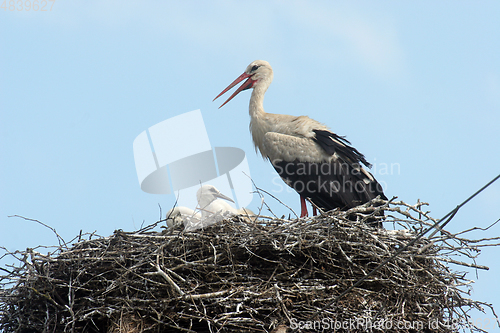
333	143
330	185
329	182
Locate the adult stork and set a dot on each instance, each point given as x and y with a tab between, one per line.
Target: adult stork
317	163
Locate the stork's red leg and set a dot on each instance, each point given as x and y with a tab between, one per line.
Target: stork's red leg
303	207
315	211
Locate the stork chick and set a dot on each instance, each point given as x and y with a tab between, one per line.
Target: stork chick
210	203
178	216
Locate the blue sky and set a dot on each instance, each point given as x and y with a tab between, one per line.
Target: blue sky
415	86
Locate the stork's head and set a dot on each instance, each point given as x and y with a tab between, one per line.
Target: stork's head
257	72
174	217
208	193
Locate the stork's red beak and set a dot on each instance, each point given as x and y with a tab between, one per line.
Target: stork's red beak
247	85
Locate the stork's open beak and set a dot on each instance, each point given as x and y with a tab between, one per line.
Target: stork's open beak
247	85
222	196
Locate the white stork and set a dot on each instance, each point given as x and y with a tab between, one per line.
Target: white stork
211	209
317	163
210	203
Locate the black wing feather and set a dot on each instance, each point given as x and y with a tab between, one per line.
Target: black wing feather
333	143
330	185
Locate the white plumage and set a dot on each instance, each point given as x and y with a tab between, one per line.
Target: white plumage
212	208
211	202
178	216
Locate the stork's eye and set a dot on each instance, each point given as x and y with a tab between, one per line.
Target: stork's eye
254	68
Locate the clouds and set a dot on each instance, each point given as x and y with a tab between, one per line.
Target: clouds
368	38
340	33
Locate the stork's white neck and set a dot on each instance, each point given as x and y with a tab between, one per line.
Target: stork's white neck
259	122
257	99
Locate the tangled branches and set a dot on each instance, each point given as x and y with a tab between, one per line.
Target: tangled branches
242	275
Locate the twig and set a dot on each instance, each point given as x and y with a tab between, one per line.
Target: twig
59	238
168	279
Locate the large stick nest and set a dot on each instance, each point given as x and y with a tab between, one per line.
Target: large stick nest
239	275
